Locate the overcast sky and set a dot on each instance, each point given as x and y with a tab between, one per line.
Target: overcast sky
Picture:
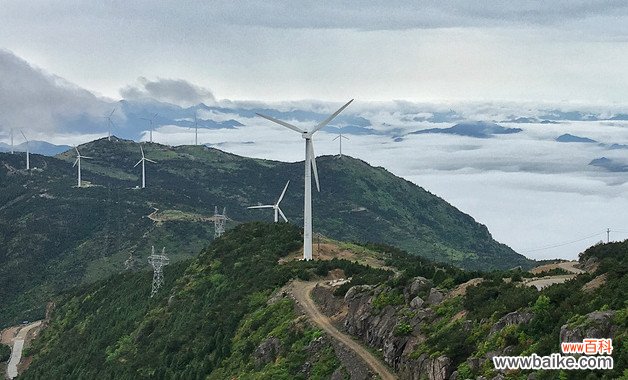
557	51
488	61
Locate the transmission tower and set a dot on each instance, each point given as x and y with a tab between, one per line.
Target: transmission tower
219	222
157	262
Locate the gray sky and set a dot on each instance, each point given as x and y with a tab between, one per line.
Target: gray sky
558	51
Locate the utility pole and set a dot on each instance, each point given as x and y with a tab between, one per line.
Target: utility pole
157	262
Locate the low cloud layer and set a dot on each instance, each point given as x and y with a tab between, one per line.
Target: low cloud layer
175	91
33	100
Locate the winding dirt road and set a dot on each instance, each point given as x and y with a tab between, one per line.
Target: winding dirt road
301	292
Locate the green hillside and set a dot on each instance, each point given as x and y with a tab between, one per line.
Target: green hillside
54	235
215	312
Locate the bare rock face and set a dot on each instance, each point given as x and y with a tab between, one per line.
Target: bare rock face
418	285
376	328
435	297
267	351
514	318
598	324
424	367
416	302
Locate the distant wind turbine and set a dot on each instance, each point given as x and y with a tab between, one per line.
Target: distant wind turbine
12	149
110	124
339	138
28	153
143	161
310	163
195	130
78	161
150	122
276	205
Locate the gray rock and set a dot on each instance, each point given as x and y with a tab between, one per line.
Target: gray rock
416	302
513	318
435	297
474	364
454	376
267	351
419	284
498	377
598	324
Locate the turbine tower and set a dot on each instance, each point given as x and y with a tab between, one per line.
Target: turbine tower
310	163
195	130
143	161
276	205
150	125
219	222
78	161
12	149
28	153
110	124
157	262
339	138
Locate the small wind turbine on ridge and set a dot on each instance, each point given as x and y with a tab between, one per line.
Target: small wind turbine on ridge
12	148
28	153
78	161
310	164
339	138
143	161
276	205
150	122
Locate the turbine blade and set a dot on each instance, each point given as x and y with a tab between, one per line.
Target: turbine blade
313	161
282	215
154	116
283	193
149	160
114	110
264	206
77	152
330	118
89	158
344	137
142	150
75	162
23	135
287	125
336	138
138	162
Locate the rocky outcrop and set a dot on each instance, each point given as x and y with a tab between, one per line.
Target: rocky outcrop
416	302
418	285
598	324
435	297
267	351
425	367
377	329
514	318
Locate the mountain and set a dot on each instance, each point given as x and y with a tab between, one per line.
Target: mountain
608	164
237	311
479	129
37	147
55	235
569	138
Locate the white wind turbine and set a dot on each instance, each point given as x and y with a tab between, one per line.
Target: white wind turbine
143	161
78	162
276	205
110	124
12	149
195	130
150	122
310	163
28	153
339	138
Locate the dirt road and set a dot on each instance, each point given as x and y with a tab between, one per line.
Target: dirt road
16	351
543	282
301	292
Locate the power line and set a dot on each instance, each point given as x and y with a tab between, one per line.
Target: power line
565	243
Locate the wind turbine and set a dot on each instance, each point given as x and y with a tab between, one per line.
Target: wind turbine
110	124
28	154
310	163
276	205
78	161
12	149
339	138
150	121
143	161
195	130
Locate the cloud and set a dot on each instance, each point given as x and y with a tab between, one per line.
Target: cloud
175	91
34	100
